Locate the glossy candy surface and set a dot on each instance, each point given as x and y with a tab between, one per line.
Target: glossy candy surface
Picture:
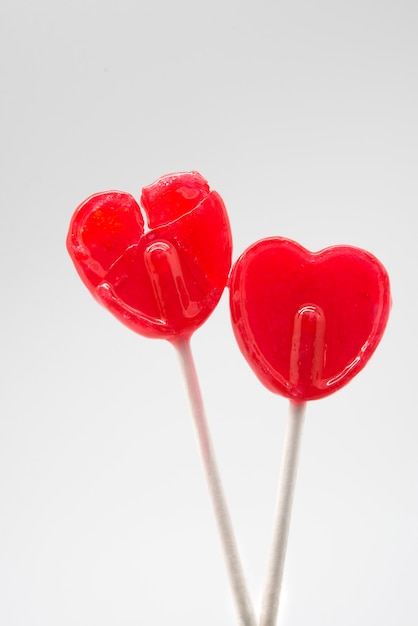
162	279
307	322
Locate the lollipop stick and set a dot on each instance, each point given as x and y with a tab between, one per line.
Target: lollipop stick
287	481
233	563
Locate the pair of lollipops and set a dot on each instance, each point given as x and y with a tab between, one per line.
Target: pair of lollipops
305	322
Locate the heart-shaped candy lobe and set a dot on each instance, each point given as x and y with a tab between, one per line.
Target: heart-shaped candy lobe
164	281
307	322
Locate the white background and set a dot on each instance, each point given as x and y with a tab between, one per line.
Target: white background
303	115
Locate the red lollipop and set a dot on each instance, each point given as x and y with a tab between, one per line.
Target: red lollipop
307	322
164	280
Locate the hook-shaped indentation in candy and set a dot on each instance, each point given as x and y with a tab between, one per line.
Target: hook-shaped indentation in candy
168	283
307	354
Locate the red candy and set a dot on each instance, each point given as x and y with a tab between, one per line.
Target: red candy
306	322
165	280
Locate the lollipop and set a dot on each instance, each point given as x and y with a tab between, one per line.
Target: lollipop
306	323
163	279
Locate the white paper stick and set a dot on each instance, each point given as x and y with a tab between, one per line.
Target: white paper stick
287	481
233	562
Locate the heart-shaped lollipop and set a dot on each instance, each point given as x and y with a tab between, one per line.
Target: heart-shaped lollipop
163	281
307	322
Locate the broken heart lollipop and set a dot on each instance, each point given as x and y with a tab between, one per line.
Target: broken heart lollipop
307	322
164	280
